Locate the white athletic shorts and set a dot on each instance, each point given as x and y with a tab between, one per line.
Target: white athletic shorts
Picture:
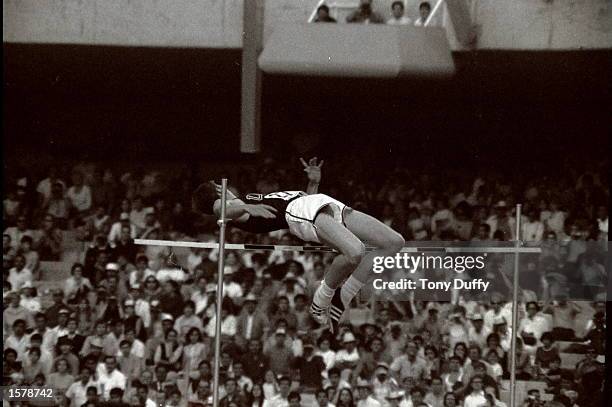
301	212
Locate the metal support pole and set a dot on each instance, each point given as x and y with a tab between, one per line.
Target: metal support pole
222	224
515	291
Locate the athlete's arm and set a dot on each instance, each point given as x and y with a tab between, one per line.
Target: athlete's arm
313	170
240	212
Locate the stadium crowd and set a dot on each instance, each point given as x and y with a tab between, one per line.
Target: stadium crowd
134	325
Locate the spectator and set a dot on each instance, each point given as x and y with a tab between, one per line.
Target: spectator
282	397
49	245
61	379
280	353
16	233
424	11
109	377
323	15
251	323
311	367
398	17
17	340
115	230
14	312
79	195
364	14
57	205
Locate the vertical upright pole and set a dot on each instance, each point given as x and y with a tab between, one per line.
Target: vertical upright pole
515	290
250	105
222	223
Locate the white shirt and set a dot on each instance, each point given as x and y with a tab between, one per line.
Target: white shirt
533	231
201	301
537	326
475	400
115	232
134	276
369	402
81	199
49	340
276	401
249	326
19	344
164	275
228	326
18	278
110	381
344	356
399	21
31	304
77	392
44	188
329	358
143	310
232	290
137	349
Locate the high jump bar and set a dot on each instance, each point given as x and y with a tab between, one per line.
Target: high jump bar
285	248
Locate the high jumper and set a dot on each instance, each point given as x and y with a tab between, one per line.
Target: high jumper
312	217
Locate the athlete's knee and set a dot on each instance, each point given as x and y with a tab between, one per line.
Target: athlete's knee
355	254
393	242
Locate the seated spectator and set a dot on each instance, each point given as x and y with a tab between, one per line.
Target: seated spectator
533	229
545	353
424	11
398	17
79	195
20	274
323	15
31	256
33	366
77	286
30	299
170	352
532	326
49	243
18	340
18	231
61	379
57	205
12	206
99	222
364	14
115	230
14	312
109	377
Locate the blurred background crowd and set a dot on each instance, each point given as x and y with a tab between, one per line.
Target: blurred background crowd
106	322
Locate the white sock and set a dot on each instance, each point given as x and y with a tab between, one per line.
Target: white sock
323	296
349	290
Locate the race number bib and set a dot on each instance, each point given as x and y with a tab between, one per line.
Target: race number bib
284	195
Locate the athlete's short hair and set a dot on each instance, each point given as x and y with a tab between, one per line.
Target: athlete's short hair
204	198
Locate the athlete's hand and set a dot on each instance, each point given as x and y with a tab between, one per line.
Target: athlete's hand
261	211
312	169
219	189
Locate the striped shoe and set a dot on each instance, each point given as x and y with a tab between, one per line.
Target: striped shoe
336	309
319	314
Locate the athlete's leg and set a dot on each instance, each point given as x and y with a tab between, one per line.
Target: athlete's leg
351	248
370	230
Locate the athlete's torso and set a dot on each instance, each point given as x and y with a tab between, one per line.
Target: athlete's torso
278	200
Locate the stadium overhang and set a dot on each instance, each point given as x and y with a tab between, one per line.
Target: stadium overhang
357	50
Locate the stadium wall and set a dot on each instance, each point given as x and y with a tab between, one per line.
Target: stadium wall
149	104
511	24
